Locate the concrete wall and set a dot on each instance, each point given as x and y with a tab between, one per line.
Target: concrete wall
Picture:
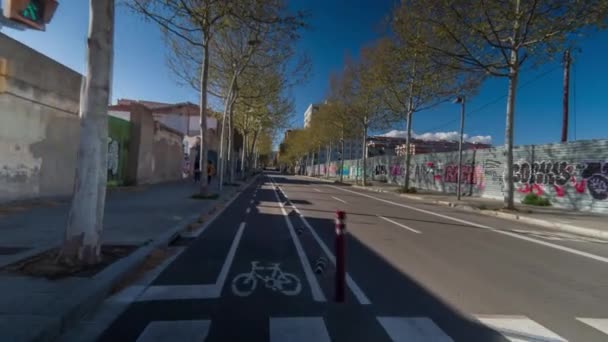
156	153
39	131
175	121
39	125
572	175
168	154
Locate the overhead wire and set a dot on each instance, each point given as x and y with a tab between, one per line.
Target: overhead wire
502	97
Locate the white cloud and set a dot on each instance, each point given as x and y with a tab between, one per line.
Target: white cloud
450	136
394	134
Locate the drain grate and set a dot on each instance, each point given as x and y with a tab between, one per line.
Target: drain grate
12	250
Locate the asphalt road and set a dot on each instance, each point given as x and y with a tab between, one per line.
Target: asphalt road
416	272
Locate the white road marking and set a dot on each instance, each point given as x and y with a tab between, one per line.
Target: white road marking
519	328
406	329
600	324
251	201
298	329
317	190
248	211
245	284
400	225
515	235
361	297
175	331
173	292
221	279
315	288
337	199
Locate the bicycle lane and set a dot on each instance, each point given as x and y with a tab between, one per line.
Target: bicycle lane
281	284
190	286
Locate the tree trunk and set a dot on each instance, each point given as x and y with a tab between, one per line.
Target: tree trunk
227	104
342	158
231	158
82	239
204	187
408	155
364	171
251	151
328	163
312	164
243	156
306	162
509	202
319	163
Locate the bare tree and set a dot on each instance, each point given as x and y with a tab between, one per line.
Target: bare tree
363	100
411	82
497	38
193	23
259	35
82	240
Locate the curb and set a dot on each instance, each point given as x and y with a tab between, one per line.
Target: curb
583	231
589	232
92	296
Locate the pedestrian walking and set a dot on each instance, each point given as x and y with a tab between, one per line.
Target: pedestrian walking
210	171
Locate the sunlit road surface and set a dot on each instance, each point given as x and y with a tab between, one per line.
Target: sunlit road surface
264	271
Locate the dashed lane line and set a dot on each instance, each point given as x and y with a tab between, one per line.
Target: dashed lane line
359	294
338	199
315	288
508	233
400	224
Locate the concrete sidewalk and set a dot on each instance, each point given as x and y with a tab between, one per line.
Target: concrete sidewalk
576	222
37	309
133	216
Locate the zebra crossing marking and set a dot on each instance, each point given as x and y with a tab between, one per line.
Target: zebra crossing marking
298	329
405	329
398	328
183	331
600	324
519	328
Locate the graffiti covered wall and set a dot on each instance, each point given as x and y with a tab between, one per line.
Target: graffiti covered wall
572	175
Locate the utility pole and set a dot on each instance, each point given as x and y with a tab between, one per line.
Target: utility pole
460	100
567	61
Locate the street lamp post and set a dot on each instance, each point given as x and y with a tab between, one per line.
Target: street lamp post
461	100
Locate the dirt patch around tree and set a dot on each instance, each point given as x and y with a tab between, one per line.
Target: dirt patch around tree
45	265
21	206
153	260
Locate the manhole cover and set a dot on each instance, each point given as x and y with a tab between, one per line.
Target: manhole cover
12	250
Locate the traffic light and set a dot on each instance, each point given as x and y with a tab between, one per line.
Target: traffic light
31	13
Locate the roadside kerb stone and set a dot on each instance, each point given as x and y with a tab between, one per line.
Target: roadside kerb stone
93	291
583	231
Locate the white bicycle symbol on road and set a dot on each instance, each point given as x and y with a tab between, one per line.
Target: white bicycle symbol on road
245	283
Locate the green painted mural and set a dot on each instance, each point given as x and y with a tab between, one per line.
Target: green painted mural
119	132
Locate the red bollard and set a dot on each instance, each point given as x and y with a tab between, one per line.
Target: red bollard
340	256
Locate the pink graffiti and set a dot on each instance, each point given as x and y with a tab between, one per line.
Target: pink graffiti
534	188
469	174
579	186
395	170
559	190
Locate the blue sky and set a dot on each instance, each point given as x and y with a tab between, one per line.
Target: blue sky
340	28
